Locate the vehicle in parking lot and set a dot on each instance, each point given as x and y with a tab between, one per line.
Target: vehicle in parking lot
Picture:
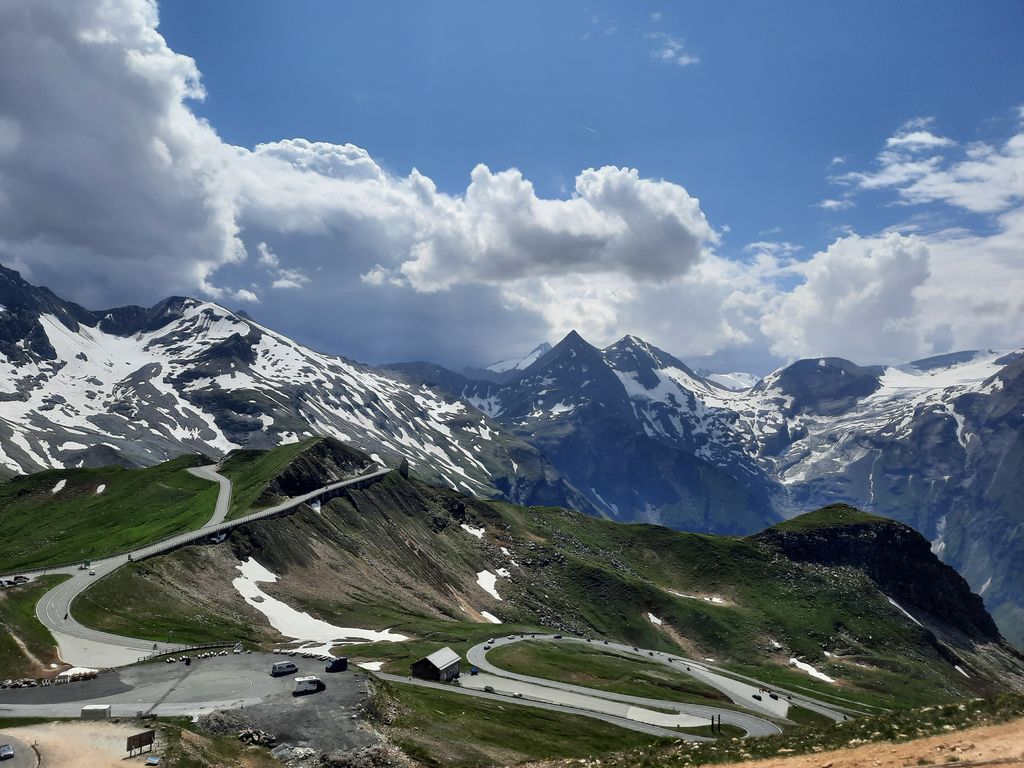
308	684
6	752
339	664
283	668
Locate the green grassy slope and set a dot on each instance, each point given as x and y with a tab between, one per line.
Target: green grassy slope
595	667
26	646
438	728
138	601
395	555
39	527
250	473
829	517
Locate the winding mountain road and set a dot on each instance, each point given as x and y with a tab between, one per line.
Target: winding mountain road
740	691
84	647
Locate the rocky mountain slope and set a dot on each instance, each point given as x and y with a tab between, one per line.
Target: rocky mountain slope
935	443
137	386
411	559
629	431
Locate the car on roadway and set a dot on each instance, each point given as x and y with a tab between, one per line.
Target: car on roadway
488	689
6	752
92	572
517	695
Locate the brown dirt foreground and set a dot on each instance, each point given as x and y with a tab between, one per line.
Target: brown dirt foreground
80	744
990	745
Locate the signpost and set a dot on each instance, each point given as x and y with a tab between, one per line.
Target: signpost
140	740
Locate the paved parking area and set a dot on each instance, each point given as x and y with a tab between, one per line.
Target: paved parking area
327	720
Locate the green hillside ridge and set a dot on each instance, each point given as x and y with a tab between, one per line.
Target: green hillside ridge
40	527
250	472
26	647
394	554
832	516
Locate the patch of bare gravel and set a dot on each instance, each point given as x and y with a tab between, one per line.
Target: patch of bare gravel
991	745
80	744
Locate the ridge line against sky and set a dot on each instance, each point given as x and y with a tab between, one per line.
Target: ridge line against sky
463	182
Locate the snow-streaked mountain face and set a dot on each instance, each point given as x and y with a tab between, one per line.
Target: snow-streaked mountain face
736	381
138	386
521	363
936	443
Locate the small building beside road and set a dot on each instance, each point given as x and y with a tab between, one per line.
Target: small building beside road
442	665
96	712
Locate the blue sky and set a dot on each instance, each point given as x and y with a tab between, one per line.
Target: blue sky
769	180
779	91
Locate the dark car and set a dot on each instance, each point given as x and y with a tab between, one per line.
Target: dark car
488	689
337	665
756	696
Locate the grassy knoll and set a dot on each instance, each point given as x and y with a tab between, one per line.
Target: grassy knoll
18	622
136	602
438	728
595	667
250	473
829	517
39	527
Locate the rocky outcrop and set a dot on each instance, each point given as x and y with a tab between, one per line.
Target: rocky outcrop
898	559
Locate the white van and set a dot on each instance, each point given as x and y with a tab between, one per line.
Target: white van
307	684
283	668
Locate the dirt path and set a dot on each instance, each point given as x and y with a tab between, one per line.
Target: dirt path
994	745
80	745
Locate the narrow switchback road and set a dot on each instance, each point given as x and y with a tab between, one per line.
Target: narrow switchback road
84	647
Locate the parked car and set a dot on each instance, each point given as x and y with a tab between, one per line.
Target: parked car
6	752
281	668
337	665
474	671
488	689
308	684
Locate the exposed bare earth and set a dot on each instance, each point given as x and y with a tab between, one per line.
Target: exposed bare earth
991	745
81	744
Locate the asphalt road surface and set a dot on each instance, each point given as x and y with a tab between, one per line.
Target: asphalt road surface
503	698
24	757
326	720
84	647
740	692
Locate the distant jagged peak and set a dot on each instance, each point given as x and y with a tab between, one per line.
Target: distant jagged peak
520	363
